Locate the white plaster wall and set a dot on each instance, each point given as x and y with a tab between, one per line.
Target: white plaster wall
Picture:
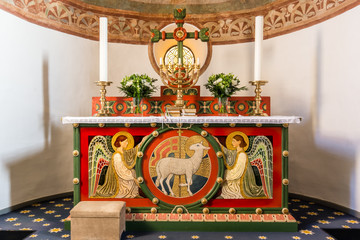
44	75
313	73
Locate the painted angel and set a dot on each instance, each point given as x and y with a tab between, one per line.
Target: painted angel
120	178
239	176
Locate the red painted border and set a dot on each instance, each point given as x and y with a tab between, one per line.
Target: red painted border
275	202
85	133
275	132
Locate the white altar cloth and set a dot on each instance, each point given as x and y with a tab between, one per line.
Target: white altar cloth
199	120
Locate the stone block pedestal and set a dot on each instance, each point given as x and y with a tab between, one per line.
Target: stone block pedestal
98	220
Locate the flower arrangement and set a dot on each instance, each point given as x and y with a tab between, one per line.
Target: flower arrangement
223	86
138	87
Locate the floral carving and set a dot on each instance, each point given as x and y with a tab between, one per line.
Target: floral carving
82	19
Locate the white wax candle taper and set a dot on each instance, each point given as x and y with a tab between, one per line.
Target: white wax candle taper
160	61
103	49
259	22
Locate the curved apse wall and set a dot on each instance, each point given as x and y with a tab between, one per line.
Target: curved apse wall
314	70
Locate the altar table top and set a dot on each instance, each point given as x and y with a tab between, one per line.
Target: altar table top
193	120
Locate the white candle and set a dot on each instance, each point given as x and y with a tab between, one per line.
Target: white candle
198	61
179	61
259	23
160	61
103	49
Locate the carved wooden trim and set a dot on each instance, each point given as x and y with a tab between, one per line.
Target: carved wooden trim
80	19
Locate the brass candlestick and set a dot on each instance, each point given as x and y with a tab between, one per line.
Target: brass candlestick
103	111
258	111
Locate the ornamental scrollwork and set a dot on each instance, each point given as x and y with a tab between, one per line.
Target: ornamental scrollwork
81	19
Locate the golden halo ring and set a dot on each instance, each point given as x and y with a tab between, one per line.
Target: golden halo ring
232	135
192	140
130	139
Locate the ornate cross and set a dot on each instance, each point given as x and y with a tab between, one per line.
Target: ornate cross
180	33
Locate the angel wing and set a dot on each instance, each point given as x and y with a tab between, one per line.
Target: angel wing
99	156
261	156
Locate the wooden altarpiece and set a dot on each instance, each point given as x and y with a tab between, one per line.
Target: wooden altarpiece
173	204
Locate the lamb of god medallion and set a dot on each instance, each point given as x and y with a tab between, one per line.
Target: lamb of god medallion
180	166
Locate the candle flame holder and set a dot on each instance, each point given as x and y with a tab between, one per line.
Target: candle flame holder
257	110
179	77
103	111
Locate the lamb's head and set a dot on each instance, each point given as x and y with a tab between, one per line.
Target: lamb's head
198	146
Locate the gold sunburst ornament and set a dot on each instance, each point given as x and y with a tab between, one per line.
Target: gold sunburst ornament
130	139
232	135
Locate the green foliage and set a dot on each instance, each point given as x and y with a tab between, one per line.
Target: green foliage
138	86
223	85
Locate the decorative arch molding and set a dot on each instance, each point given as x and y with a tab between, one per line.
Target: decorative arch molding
81	19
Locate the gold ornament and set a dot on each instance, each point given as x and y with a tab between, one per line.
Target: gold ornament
140	154
75	153
232	210
155	201
205	124
219	154
140	179
259	125
232	124
285	211
285	153
153	124
204	133
76	181
153	210
128	210
205	210
285	181
258	211
75	125
179	210
219	180
155	133
101	125
127	125
204	201
285	125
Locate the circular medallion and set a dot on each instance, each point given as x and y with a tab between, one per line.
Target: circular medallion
180	34
180	168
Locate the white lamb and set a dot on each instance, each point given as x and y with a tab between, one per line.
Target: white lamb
167	167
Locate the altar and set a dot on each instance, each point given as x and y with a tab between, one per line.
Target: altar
177	173
182	161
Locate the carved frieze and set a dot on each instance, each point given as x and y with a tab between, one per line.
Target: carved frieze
81	19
